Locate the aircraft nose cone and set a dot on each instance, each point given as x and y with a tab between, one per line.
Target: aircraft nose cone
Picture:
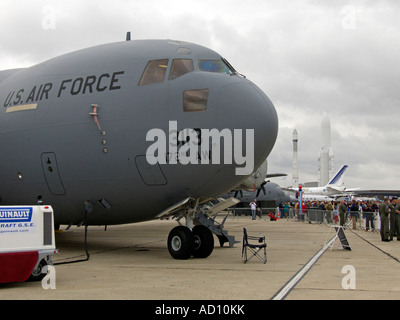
242	105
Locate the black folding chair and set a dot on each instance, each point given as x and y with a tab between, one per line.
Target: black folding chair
254	248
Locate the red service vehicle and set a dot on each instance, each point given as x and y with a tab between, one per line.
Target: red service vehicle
26	242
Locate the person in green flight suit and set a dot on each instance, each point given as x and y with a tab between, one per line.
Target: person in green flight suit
384	214
394	219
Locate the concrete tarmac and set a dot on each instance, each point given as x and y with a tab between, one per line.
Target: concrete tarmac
132	262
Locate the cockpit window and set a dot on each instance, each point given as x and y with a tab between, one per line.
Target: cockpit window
218	66
154	72
180	67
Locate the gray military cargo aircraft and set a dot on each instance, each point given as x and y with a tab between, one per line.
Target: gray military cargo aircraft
270	196
132	131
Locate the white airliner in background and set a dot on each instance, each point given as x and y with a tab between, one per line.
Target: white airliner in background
334	188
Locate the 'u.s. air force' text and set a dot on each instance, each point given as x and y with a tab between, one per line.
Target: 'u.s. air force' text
72	87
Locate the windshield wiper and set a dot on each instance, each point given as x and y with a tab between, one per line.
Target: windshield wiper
232	69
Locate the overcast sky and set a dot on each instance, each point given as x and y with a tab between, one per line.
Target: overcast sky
309	57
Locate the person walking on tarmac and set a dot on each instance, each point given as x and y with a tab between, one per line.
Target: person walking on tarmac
342	212
253	206
384	215
398	219
369	217
328	212
394	219
354	213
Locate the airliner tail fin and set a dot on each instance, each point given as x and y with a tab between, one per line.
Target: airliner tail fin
337	179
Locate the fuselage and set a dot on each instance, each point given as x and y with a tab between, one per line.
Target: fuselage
322	191
73	129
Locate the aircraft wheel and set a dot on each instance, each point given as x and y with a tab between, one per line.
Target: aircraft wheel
180	243
203	242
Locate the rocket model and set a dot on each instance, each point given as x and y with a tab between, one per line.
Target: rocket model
326	156
295	172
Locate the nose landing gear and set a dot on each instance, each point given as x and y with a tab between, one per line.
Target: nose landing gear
184	243
196	238
180	243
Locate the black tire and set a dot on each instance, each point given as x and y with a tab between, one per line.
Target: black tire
37	274
203	242
180	243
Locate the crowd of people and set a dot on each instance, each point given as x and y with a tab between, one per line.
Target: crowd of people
386	213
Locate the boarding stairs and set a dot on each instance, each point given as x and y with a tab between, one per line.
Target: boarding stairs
207	218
